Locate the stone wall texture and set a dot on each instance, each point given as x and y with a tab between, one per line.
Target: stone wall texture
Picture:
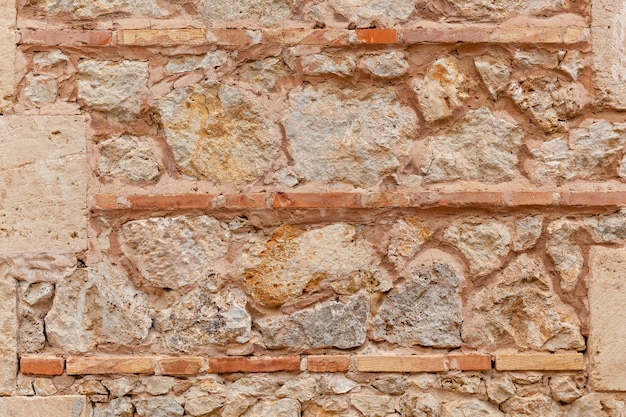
318	208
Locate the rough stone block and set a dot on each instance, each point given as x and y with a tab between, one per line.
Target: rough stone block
43	176
8	333
57	406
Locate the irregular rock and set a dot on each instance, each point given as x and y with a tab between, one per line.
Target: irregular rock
426	310
466	408
520	306
265	12
40	89
89	9
217	132
501	9
31	329
91	387
341	65
339	384
536	405
203	318
44	387
158	407
495	72
565	388
264	73
364	12
566	256
500	390
49	59
282	408
57	406
128	158
37	293
385	65
526	232
443	89
119	407
391	385
607	229
483	243
481	146
119	387
572	63
237	405
373	405
97	305
210	60
329	324
348	135
112	87
295	261
533	58
407	237
8	44
549	101
302	389
203	406
461	383
159	385
421	405
255	386
172	252
597	405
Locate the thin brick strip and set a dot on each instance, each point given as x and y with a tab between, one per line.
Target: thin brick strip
469	361
105	365
328	363
540	362
187	365
170	202
42	365
398	363
228	365
66	37
160	37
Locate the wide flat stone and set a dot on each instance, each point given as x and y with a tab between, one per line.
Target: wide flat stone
57	406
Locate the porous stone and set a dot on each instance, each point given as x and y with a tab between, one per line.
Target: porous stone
255	386
526	232
535	405
330	324
565	388
295	261
37	293
159	385
119	387
87	9
203	406
426	310
495	72
31	330
462	384
118	407
40	89
172	252
549	101
8	10
483	243
158	407
49	59
341	65
44	387
128	158
572	63
391	385
474	408
237	404
348	135
527	59
112	87
597	405
264	73
443	89
302	389
406	238
339	384
8	332
373	405
217	132
385	65
363	12
420	405
91	387
57	406
520	306
482	146
265	12
566	256
97	305
210	60
282	408
607	229
501	9
500	390
206	317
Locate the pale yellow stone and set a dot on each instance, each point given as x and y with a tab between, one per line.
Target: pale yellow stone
43	182
8	333
57	406
7	50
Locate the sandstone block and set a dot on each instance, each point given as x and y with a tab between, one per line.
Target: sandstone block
158	407
188	365
8	332
500	390
474	408
202	406
385	65
420	405
597	405
58	406
161	37
566	388
286	407
373	405
469	361
254	364
363	12
399	363
535	405
301	388
105	365
128	158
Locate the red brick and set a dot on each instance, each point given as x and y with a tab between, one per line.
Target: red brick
189	365
106	201
328	363
531	198
236	201
42	365
161	37
102	365
593	198
316	200
401	363
66	37
325	37
377	36
254	364
469	361
170	202
385	199
460	199
229	37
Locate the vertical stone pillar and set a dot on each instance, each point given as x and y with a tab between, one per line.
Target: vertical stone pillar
7	53
8	331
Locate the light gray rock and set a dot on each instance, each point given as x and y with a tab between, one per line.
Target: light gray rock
426	310
203	406
466	408
607	229
255	386
339	384
572	63
159	385
484	243
44	387
341	65
495	72
566	388
128	158
526	232
348	135
49	59
37	293
97	305
501	9
481	146
172	252
92	387
112	87
31	329
119	387
40	89
535	405
328	324
118	407
282	408
420	405
88	9
302	389
266	12
210	60
392	385
373	405
500	390
527	59
407	236
385	65
364	12
597	405
158	407
237	405
264	73
566	256
463	384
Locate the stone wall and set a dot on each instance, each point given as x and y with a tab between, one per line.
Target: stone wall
320	208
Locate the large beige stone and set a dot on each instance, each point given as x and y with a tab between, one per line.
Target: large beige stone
265	12
363	12
43	183
608	39
8	332
500	9
607	311
57	406
7	46
96	8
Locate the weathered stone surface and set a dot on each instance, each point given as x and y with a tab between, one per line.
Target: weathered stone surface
8	331
373	405
608	32
210	60
206	317
421	405
159	385
521	307
96	8
501	9
119	387
607	313
341	65
237	404
158	407
44	387
392	385
566	256
500	390
267	11
363	12
59	406
339	384
44	158
597	405
7	45
495	72
203	406
329	324
128	158
607	229
442	89
526	232
119	407
348	135
427	309
474	408
572	63
282	408
113	87
302	389
217	132
406	238
527	59
97	305
535	405
461	383
483	243
49	59
172	252
295	261
481	146
589	153
40	89
31	329
37	293
549	101
566	388
385	65
264	73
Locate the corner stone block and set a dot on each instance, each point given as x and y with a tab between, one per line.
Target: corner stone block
8	333
7	51
57	406
43	184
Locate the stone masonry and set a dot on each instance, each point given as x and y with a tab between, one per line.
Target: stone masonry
329	208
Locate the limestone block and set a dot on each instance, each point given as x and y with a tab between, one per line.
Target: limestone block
364	11
267	12
386	65
43	181
95	8
8	332
128	158
500	9
7	46
57	406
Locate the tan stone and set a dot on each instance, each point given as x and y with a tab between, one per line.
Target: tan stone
495	72
362	12
94	8
341	65
267	12
44	158
7	46
8	332
57	406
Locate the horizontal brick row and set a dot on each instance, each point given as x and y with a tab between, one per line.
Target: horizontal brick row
193	365
364	200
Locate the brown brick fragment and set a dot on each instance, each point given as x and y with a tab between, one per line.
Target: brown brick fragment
189	365
42	365
328	363
469	361
170	202
106	201
593	198
459	199
254	364
531	198
236	201
65	37
316	200
161	37
540	362
99	365
409	363
377	36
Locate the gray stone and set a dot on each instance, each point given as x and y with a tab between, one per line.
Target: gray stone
420	405
535	405
348	135
158	407
500	390
597	405
526	232
237	405
128	158
282	408
37	293
520	306
89	9
57	406
203	406
373	405
392	385
218	132
210	60
40	89
407	236
302	389
566	256
426	310
501	9
495	72
566	388
484	243
49	59
329	324
118	407
159	385
264	12
536	58
97	305
607	229
385	65
91	387
44	387
119	387
112	87
466	408
31	331
481	146
255	386
572	63
172	252
339	384
462	384
264	73
341	65
364	12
